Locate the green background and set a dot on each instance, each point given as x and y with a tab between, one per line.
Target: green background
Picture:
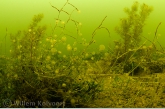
17	14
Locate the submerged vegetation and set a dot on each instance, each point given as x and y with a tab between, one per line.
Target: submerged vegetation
129	75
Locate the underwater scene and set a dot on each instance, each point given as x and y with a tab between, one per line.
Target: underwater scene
82	54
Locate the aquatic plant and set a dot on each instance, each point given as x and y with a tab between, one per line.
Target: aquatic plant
130	30
131	27
38	72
